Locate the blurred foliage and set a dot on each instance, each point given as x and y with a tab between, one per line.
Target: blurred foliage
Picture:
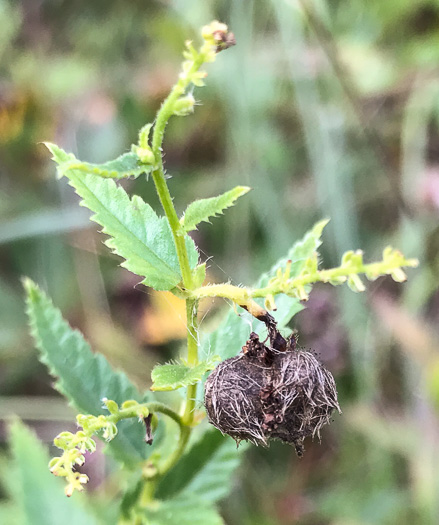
325	109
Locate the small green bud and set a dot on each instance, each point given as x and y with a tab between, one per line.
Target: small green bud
352	259
110	405
184	105
198	77
63	440
80	418
143	412
86	422
54	463
110	431
145	155
60	472
80	460
190	53
398	275
355	283
76	482
130	403
302	294
372	275
143	149
90	444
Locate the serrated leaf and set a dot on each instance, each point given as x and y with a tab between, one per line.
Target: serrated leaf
182	511
136	233
41	495
298	254
126	165
174	376
227	340
82	376
200	210
205	470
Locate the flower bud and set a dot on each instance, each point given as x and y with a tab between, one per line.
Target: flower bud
184	105
130	403
110	431
355	283
110	405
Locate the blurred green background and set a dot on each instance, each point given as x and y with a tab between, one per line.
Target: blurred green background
326	109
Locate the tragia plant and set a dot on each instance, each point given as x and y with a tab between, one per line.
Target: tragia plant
268	390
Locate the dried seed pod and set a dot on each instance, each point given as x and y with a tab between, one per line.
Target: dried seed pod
270	393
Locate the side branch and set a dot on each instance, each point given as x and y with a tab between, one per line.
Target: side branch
352	265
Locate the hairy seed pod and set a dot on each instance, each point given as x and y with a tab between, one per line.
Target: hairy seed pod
265	393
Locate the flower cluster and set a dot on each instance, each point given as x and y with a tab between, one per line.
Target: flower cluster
74	446
348	272
298	286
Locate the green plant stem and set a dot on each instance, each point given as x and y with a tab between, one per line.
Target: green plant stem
182	441
171	214
165	113
164	409
192	348
150	484
133	411
178	452
158	176
148	490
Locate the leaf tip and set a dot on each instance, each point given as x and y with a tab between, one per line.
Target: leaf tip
322	224
58	154
244	189
31	288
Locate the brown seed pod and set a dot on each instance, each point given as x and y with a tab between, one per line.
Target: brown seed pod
265	393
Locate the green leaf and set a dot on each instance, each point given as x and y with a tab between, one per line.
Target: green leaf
200	210
41	494
10	514
232	333
182	511
82	376
127	165
298	254
205	470
136	233
173	376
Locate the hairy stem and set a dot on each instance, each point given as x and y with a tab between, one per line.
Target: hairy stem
165	113
164	409
244	296
158	175
192	347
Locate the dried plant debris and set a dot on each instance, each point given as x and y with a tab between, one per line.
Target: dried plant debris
271	392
